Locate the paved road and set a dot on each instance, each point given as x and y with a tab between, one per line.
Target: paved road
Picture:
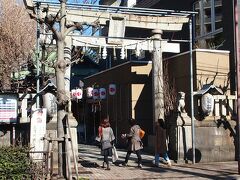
91	160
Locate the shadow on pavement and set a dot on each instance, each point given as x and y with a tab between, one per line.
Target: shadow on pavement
216	171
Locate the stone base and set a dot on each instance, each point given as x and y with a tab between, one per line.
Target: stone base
74	137
53	146
51	132
214	140
180	139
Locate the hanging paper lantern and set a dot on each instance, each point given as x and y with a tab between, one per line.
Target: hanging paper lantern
89	92
207	103
95	94
102	93
49	102
79	93
73	93
112	89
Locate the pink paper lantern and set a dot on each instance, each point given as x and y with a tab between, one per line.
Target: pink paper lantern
102	93
73	93
95	94
79	93
112	89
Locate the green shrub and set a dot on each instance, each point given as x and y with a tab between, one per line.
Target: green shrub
14	163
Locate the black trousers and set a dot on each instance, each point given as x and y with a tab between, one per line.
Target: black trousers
106	153
106	159
138	153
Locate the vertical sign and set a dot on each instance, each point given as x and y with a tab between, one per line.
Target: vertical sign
116	29
38	130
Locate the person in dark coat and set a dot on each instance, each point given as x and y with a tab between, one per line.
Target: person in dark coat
107	137
161	143
134	142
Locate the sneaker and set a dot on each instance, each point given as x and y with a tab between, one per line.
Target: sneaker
140	165
169	163
155	164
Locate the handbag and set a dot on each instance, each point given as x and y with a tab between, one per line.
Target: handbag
141	133
114	154
106	145
98	139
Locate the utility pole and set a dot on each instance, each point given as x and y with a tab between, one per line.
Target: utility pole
236	41
37	54
191	91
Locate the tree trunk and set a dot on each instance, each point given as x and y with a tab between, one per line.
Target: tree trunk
61	94
7	81
62	100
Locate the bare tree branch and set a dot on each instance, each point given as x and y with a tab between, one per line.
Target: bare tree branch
17	39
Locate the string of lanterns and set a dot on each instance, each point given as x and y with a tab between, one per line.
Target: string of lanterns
94	93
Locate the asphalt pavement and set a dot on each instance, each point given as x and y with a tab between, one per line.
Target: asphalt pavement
91	161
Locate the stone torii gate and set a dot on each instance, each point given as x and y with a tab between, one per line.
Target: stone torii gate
155	19
154	45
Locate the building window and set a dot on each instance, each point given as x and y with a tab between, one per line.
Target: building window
208	24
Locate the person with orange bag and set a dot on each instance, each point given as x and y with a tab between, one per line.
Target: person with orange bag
134	142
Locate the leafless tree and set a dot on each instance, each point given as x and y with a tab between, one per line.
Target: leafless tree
58	25
170	94
17	39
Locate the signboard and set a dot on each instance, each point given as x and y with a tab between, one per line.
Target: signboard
37	132
116	29
8	108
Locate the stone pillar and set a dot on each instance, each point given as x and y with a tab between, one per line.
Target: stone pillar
157	81
180	137
72	121
157	77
